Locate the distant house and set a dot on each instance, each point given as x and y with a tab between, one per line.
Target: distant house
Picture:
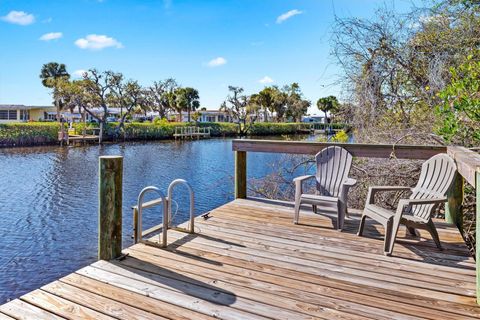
22	113
313	119
204	116
214	116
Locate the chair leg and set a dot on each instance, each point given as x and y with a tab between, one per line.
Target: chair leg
341	216
362	225
314	208
433	231
388	236
412	231
297	210
393	234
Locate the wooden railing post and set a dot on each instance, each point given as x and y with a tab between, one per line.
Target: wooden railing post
477	232
110	207
240	174
453	209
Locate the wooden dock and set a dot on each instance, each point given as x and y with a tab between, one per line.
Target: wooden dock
248	261
71	137
191	132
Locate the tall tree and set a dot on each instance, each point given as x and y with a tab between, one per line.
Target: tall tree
99	90
192	102
296	105
264	99
327	104
128	95
236	105
52	75
395	64
159	96
178	101
280	99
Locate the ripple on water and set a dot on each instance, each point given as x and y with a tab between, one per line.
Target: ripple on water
48	200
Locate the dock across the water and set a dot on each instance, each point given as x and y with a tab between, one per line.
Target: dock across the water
247	260
191	132
72	137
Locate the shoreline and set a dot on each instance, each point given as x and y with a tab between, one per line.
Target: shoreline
32	134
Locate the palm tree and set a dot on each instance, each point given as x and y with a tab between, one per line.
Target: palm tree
52	74
178	102
327	104
265	99
192	100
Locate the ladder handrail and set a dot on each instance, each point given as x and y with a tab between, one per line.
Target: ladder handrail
140	210
173	184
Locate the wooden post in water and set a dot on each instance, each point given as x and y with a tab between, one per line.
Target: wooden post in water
240	174
453	209
110	207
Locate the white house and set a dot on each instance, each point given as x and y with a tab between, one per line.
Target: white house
204	116
22	113
313	119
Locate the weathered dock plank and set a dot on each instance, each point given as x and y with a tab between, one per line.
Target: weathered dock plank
248	261
25	311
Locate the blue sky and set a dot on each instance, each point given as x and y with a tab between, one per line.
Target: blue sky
203	44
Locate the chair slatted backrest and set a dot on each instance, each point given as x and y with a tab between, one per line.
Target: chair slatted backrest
333	167
435	179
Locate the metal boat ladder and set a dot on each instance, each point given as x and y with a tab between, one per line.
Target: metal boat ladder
166	202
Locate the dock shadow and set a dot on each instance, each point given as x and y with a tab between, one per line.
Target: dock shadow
423	247
191	236
169	279
176	246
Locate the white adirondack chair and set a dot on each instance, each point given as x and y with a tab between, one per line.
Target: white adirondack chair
332	184
415	212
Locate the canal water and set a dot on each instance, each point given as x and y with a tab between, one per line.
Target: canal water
49	199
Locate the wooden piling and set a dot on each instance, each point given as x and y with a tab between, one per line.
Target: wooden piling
240	175
110	207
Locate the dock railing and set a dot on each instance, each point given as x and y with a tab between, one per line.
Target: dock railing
191	132
468	165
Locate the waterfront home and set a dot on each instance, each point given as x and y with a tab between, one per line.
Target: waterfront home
313	119
204	116
213	116
21	113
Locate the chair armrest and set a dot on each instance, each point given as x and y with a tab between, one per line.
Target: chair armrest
373	190
389	188
302	178
408	203
298	185
412	202
344	188
350	182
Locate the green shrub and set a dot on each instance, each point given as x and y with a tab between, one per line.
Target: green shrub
221	129
37	133
162	129
29	133
272	128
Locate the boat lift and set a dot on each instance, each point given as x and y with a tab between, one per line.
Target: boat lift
166	202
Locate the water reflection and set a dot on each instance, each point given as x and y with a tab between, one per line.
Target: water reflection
48	200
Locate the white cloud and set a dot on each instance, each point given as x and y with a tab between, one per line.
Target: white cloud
287	15
79	73
217	62
48	20
19	17
266	80
97	42
51	36
256	43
